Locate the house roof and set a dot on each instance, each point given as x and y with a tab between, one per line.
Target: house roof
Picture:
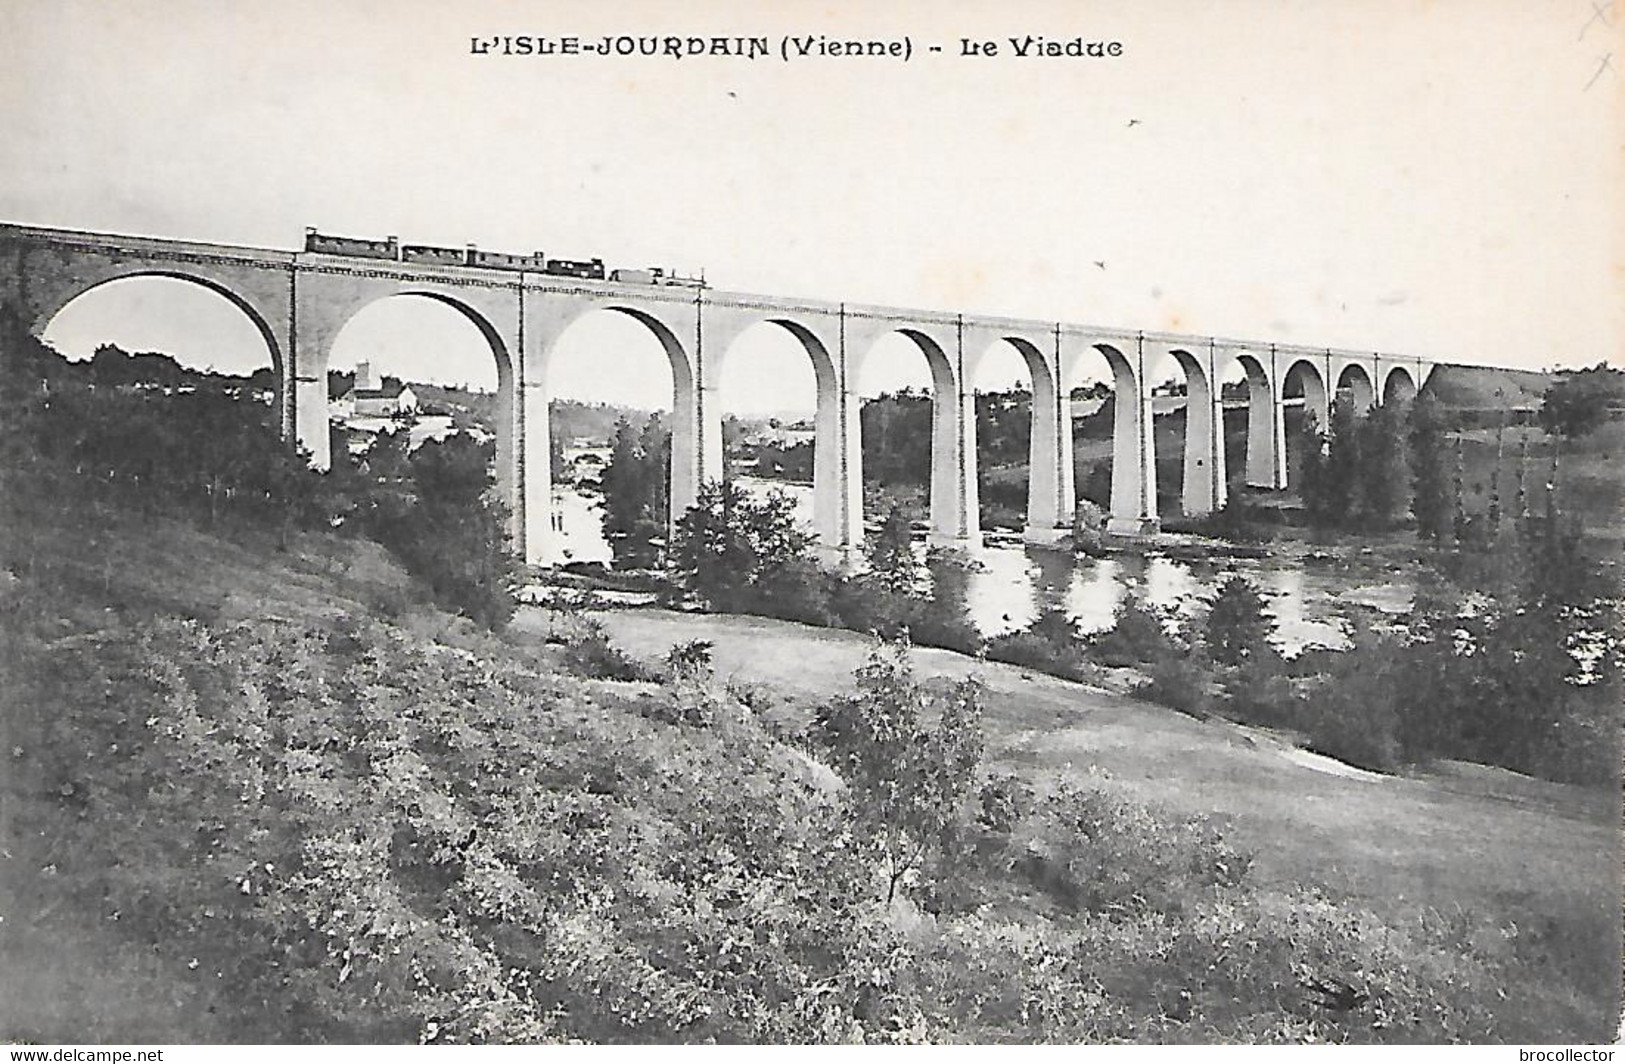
389	390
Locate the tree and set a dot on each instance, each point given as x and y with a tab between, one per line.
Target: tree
1313	443
1579	402
733	550
1433	492
557	469
636	486
436	510
907	781
1238	625
1341	466
893	565
1382	474
1357	473
897	438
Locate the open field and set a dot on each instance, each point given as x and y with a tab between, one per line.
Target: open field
1481	839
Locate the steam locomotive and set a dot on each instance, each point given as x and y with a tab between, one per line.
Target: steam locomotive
393	250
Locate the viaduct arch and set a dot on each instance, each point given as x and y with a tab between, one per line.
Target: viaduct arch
300	300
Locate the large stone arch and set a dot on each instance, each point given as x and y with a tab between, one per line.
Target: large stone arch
1202	473
1308	373
1354	381
326	302
955	508
1133	467
40	277
696	442
954	518
1051	502
1264	451
837	453
1399	384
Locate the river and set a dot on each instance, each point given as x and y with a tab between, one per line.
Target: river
1306	594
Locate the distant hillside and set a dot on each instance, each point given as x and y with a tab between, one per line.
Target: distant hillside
573	419
1484	388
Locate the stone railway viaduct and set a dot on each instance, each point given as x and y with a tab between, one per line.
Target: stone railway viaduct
299	302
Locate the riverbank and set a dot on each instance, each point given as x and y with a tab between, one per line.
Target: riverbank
1540	855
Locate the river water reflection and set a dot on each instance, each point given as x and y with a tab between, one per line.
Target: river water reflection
1009	583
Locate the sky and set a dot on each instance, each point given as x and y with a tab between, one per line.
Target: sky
1437	177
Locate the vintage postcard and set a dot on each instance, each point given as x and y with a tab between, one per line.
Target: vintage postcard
1062	521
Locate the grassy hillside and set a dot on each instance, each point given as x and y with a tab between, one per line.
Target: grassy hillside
273	795
1486	388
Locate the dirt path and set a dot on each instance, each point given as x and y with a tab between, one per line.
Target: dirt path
1468	838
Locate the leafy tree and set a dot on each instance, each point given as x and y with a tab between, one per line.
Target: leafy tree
1357	473
897	438
1579	402
436	509
1238	625
625	493
1433	496
1314	485
636	488
1383	472
893	564
1340	468
907	780
555	459
732	550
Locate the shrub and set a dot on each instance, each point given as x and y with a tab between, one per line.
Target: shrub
1052	643
1238	624
736	552
864	604
1179	683
797	590
1006	801
435	509
590	653
1239	520
1024	647
906	778
690	658
1098	852
1261	691
1138	635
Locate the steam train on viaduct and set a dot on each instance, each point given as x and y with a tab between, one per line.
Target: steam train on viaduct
392	250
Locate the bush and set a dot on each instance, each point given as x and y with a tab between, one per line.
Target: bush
797	590
590	653
1179	683
1006	801
1138	635
864	604
907	778
436	510
690	658
1260	691
739	553
1238	624
1052	643
1097	852
1026	648
1239	520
